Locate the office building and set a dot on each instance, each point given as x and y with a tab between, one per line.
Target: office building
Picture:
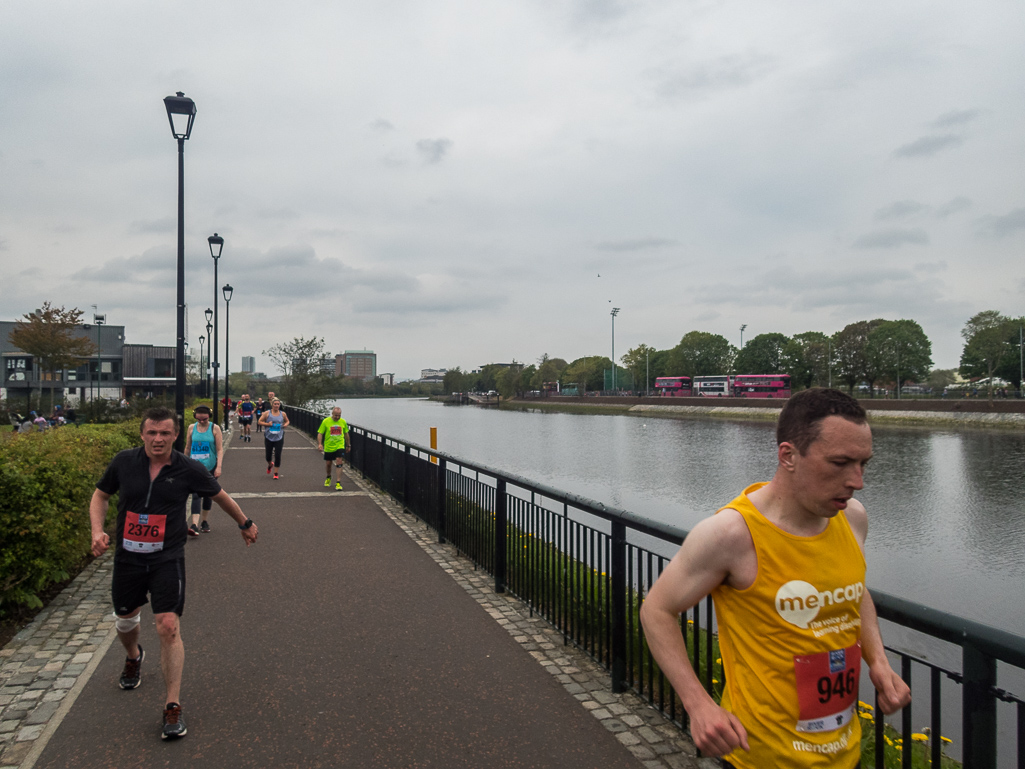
358	363
248	364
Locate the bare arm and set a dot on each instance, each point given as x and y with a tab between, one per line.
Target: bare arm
894	693
264	419
97	517
188	442
286	423
230	506
219	445
702	564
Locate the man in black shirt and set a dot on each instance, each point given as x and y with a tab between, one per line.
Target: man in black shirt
154	483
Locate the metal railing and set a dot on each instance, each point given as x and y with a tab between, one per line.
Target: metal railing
585	568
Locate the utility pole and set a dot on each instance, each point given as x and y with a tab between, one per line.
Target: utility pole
615	312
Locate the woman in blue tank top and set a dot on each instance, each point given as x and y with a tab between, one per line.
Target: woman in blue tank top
275	421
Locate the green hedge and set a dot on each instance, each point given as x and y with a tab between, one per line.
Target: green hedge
46	482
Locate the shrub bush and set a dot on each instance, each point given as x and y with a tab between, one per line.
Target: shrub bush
46	482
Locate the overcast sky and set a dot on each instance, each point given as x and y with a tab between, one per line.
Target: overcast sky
443	182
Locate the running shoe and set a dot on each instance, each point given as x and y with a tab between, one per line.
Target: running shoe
131	676
268	469
193	530
275	476
327	482
204	527
338	486
174	724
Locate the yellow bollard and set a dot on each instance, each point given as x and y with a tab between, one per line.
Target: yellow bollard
434	443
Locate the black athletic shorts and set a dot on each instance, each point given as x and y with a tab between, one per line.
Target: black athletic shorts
329	455
242	420
163	582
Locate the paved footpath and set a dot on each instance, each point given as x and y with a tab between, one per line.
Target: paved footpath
346	637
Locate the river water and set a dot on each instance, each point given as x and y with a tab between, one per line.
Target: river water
946	517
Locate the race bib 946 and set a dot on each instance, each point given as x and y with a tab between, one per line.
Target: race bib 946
827	688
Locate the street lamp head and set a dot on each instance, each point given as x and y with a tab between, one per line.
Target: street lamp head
227	291
99	320
181	112
615	311
202	340
209	315
216	244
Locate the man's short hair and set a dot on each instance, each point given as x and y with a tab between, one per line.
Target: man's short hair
158	414
201	410
800	421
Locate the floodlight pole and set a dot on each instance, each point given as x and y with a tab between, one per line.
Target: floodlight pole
615	312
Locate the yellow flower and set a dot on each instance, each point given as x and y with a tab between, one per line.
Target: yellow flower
920	737
946	739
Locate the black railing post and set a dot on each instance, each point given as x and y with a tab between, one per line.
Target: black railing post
501	530
979	709
363	454
442	499
617	569
407	464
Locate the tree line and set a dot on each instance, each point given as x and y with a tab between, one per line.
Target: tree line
876	353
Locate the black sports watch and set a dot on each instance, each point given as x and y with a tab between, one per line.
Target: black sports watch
248	524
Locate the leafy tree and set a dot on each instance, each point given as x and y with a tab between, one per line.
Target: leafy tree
299	362
638	362
588	372
898	349
49	335
850	360
701	354
806	359
765	354
457	381
941	377
548	370
989	338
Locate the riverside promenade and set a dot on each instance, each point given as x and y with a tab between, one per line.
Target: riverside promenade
346	637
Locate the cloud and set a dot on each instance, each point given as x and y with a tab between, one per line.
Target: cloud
382	126
725	73
928	145
892	239
280	214
954	206
635	244
433	150
899	209
165	225
1002	226
956	117
154	265
930	267
456	302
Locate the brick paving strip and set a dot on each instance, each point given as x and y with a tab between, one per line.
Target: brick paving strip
46	666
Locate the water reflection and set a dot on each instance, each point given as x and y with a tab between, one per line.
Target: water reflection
946	519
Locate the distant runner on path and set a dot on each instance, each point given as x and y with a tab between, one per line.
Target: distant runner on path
275	421
261	406
204	443
331	440
153	484
784	563
246	409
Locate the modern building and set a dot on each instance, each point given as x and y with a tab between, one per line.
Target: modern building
388	379
433	375
248	364
115	370
358	363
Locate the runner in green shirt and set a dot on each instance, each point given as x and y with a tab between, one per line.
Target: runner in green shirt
331	440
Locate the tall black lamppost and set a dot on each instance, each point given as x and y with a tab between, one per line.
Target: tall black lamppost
216	245
202	366
227	320
181	112
99	320
209	336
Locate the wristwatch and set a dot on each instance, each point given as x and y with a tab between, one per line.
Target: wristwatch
247	524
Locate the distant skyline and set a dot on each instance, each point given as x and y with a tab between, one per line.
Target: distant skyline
451	184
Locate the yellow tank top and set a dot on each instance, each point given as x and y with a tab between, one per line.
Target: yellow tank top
790	646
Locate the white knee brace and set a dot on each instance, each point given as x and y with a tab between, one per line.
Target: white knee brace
127	624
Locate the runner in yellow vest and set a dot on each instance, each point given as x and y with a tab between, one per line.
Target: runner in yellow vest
784	564
331	440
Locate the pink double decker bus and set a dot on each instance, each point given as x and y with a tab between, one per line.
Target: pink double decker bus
673	386
761	386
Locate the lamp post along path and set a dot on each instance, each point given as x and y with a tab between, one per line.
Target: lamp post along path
228	290
216	246
181	112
